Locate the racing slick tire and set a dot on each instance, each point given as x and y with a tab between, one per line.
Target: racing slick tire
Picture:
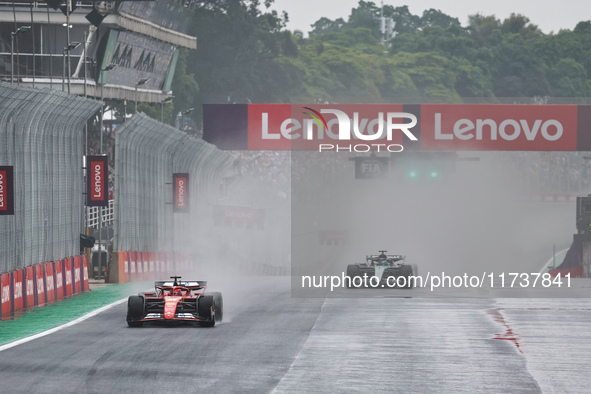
406	271
135	310
353	271
204	307
219	306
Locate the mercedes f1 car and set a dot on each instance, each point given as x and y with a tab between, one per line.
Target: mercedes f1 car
176	301
386	267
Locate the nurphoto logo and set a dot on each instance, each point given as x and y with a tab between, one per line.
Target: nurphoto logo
363	129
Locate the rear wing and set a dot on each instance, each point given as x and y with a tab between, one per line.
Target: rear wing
189	284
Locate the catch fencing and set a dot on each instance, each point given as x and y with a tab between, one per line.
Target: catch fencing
147	153
41	136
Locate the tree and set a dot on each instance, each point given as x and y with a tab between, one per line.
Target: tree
482	26
433	17
325	25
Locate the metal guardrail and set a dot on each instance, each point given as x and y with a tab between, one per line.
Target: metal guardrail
92	215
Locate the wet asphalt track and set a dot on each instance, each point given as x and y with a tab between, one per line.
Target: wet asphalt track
270	342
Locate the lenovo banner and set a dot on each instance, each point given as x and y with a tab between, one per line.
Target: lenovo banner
499	127
6	190
180	188
97	180
393	127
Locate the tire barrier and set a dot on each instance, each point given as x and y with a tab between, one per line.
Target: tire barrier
43	284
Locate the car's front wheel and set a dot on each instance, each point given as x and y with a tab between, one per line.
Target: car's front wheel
206	305
135	311
353	272
219	306
406	271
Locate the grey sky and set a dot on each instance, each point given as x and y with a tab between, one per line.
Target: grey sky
549	16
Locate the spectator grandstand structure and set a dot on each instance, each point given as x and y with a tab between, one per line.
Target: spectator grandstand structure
142	38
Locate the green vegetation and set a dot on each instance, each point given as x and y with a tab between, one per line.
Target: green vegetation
245	55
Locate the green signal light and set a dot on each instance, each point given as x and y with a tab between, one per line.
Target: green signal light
434	174
412	174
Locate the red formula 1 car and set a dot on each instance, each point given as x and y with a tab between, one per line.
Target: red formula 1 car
176	301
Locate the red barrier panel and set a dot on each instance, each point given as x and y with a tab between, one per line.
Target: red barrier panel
177	259
5	291
161	264
156	259
146	266
59	279
29	287
152	265
123	259
169	263
85	286
132	267
575	272
67	277
50	282
139	266
77	275
17	289
40	284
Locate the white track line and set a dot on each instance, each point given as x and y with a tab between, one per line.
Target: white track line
55	329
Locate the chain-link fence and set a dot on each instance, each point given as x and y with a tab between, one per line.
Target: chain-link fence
41	136
92	216
147	153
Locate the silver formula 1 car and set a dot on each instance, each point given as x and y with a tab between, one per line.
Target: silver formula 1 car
387	268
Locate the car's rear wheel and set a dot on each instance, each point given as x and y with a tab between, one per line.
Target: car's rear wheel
135	311
219	306
353	271
206	303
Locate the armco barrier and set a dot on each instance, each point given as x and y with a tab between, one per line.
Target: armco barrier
42	284
39	285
